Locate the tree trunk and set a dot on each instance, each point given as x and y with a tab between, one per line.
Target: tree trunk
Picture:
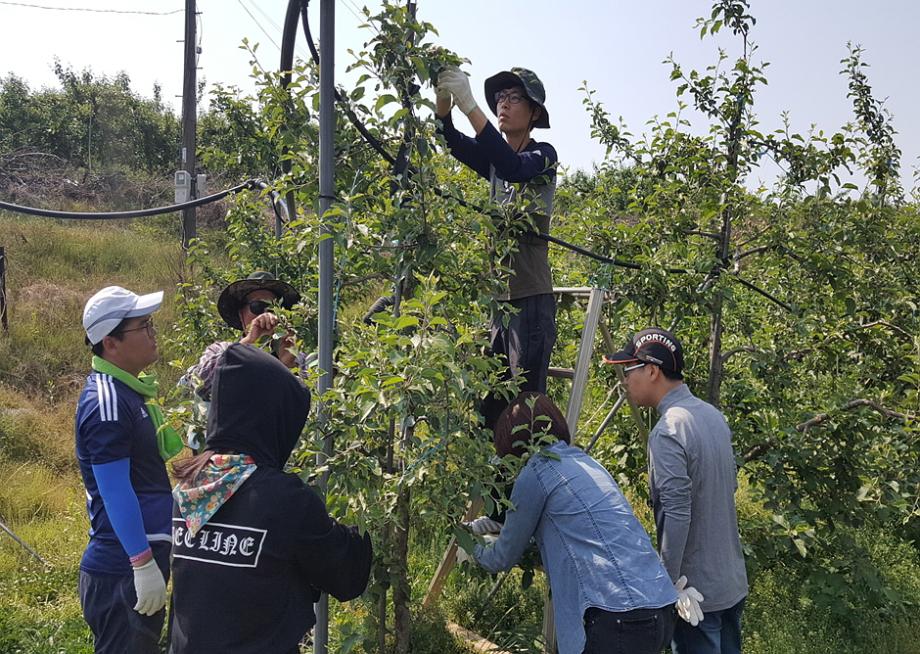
715	353
400	574
382	574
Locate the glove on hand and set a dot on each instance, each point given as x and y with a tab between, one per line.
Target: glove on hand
150	588
688	602
453	81
440	91
463	556
484	525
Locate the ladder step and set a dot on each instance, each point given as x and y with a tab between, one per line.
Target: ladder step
562	373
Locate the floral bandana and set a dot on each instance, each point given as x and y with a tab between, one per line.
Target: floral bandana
220	478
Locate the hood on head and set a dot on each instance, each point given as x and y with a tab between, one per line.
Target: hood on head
258	407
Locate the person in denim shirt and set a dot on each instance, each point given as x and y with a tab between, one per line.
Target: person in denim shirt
610	591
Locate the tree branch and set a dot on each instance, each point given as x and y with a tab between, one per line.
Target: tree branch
755	451
763	248
758	449
744	348
695	232
855	404
885	323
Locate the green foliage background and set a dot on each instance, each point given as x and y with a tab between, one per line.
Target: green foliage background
819	381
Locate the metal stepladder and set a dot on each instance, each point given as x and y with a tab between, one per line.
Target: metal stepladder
596	298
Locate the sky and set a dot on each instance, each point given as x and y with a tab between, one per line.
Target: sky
616	47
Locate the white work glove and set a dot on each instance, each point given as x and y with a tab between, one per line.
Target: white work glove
150	588
452	80
484	525
463	556
688	602
440	91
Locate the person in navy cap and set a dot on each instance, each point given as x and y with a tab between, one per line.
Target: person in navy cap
692	479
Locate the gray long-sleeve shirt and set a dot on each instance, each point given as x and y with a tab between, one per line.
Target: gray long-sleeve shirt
693	478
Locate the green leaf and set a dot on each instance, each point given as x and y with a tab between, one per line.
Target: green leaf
384	100
406	321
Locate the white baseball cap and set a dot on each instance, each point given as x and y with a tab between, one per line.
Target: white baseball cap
107	308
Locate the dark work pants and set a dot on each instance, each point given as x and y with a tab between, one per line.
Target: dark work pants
640	631
718	633
108	608
525	343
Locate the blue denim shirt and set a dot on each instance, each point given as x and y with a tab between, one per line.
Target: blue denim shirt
594	550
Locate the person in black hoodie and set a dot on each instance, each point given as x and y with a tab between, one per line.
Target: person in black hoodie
253	547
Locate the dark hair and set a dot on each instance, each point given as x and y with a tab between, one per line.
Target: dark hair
513	430
185	470
671	374
98	349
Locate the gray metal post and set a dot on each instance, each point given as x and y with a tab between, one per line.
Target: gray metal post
326	252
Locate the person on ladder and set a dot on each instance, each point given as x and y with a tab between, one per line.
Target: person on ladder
521	173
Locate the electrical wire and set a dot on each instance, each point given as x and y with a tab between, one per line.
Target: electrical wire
277	28
95	11
259	25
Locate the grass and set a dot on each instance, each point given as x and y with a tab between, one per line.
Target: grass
54	266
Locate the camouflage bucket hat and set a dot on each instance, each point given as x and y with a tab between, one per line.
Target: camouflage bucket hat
528	80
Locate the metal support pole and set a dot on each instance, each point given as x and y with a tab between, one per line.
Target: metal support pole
190	121
621	400
634	409
326	253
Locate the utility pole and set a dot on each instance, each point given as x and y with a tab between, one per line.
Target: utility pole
189	120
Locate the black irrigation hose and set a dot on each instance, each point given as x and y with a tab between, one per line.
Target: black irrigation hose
117	215
372	140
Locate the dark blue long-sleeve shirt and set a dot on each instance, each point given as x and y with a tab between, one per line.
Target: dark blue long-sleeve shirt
534	167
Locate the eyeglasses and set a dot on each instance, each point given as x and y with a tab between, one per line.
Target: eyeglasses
511	97
629	369
258	307
146	325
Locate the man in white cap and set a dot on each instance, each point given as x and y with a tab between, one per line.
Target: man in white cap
122	443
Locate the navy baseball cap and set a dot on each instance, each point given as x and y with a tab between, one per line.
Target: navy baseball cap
654	345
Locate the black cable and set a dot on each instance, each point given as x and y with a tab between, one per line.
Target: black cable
117	215
371	140
762	292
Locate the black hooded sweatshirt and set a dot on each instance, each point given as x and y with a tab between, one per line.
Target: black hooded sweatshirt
247	581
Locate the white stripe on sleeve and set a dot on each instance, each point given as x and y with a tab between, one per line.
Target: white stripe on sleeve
100	397
113	397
